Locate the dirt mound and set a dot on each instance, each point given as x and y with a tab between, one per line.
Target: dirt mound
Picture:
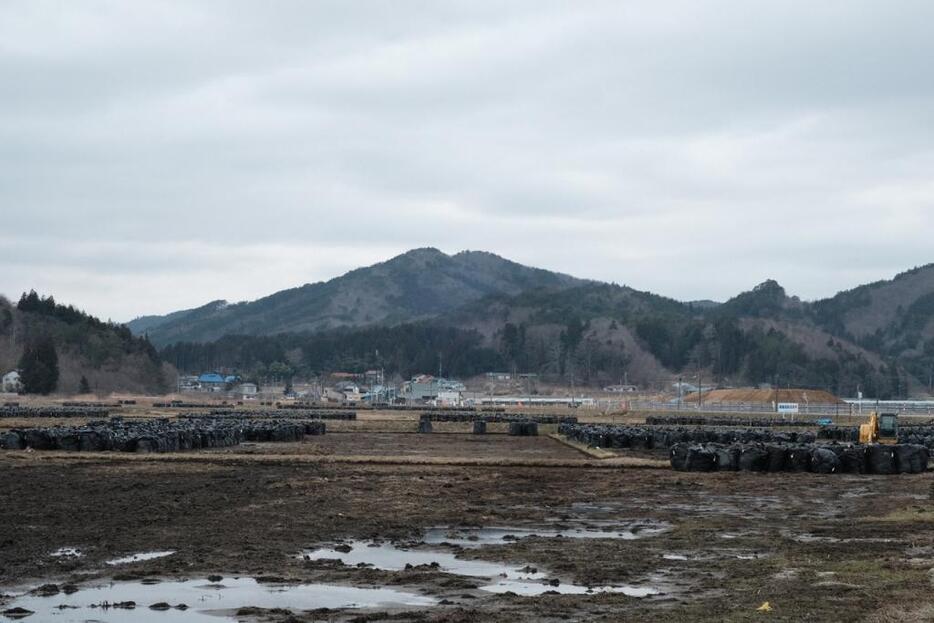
767	396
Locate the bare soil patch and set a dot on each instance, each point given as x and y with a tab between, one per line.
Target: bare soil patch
827	548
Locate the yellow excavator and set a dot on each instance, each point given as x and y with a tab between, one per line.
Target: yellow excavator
881	428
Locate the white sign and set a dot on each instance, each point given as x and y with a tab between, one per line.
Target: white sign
788	407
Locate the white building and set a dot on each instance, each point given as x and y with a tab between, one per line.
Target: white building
525	401
621	389
351	392
247	390
427	388
11	382
447	399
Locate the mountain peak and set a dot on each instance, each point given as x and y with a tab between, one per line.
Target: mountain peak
422	252
418	284
766	299
771	286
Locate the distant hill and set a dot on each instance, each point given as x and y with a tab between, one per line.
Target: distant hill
420	284
887	309
894	318
146	324
599	332
480	311
107	355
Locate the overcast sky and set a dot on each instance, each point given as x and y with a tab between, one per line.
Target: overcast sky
158	155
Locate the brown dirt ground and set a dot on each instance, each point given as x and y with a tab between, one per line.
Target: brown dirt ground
767	396
822	548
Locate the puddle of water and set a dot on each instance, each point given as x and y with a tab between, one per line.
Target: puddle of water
530	589
716	554
739	506
67	552
807	537
139	557
517	578
786	574
389	557
478	537
857	493
204	599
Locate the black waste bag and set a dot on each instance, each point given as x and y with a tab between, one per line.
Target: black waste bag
753	459
824	461
777	455
701	459
881	459
911	459
679	456
853	460
13	440
799	459
727	458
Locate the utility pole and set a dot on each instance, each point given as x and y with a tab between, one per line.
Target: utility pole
571	374
775	386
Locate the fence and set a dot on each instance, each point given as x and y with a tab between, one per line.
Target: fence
906	408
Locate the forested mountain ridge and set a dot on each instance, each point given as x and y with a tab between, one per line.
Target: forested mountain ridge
599	332
478	311
420	284
593	333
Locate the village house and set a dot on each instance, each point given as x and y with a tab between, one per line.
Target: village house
247	391
11	382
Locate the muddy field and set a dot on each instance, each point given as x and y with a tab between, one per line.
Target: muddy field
272	522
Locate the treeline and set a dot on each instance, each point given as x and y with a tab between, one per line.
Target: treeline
907	339
39	367
689	340
93	338
46	331
573	354
763	356
402	350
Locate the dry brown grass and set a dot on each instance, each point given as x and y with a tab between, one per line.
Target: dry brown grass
596	453
232	456
766	396
911	515
902	614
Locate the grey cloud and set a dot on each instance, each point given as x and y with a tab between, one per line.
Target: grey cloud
691	148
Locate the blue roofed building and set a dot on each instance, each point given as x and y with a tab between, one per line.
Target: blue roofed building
212	381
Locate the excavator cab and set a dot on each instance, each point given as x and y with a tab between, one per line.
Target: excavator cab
880	429
888	428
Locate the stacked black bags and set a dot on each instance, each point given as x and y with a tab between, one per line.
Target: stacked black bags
817	459
523	429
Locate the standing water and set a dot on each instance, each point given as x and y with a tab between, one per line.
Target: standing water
200	600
